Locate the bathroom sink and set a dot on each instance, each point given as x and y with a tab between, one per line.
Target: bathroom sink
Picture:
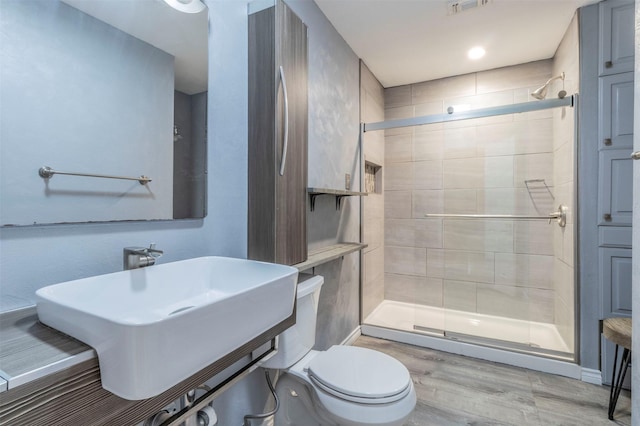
156	326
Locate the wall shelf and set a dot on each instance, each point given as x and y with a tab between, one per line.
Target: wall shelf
327	254
338	193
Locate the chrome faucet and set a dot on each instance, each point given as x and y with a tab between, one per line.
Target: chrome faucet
139	257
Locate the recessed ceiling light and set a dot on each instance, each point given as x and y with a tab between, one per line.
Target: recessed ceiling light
476	52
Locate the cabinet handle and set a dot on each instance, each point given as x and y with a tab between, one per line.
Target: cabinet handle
635	155
285	144
607	217
607	142
608	64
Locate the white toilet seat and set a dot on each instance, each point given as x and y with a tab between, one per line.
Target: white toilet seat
359	375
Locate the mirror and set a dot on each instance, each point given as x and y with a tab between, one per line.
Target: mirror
102	87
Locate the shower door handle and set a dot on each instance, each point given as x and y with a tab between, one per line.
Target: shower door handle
635	155
285	144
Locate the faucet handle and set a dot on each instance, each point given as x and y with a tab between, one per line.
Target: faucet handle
153	251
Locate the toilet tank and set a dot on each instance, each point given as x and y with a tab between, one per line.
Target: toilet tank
299	339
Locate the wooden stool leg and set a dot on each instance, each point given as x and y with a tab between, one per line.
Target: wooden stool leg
618	379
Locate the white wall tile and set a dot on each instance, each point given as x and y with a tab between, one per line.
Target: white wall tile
460	295
524	270
397	96
435	263
503	301
412	289
413	232
427	174
428	145
460	142
518	137
398	148
460	201
478	235
534	237
463	85
469	266
405	260
398	113
463	173
398	176
397	204
516	201
498	172
533	166
532	73
427	201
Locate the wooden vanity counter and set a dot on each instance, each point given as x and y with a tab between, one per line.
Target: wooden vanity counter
48	378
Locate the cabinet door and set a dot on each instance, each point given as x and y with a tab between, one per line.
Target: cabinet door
616	36
291	170
615	265
616	105
615	193
261	239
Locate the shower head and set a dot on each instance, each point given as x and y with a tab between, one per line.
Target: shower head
541	92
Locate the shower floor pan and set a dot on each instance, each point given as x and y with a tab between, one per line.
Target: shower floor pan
488	330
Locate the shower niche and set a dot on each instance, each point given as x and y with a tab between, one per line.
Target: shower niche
372	178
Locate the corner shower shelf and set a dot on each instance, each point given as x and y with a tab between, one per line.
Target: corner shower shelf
327	254
338	193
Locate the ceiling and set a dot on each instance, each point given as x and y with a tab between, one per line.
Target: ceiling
409	41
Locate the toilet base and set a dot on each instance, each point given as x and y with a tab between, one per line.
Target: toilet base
296	403
299	402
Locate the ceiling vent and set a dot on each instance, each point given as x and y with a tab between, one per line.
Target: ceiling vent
457	6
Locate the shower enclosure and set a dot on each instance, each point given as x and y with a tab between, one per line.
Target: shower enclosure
478	223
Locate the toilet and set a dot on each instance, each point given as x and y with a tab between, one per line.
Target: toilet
344	385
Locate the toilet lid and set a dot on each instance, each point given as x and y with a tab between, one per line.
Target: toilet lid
360	374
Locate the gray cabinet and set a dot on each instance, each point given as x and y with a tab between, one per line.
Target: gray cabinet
616	36
278	129
615	169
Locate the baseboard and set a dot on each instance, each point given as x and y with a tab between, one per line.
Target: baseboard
352	337
592	376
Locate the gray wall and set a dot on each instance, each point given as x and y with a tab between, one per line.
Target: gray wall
33	257
334	91
79	95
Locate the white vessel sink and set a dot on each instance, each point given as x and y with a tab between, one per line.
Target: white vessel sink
154	327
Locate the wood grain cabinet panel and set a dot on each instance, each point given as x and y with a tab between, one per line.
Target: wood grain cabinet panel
278	133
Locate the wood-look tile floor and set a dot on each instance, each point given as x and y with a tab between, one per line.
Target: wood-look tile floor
459	390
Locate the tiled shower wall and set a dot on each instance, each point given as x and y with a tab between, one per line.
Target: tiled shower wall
566	59
372	110
495	165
